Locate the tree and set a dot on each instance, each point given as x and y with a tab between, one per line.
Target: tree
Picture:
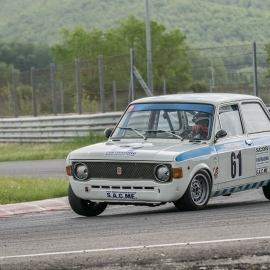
169	57
23	55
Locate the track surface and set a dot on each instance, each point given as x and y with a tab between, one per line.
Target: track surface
37	168
231	233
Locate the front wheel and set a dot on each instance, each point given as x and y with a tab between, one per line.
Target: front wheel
197	194
84	207
266	191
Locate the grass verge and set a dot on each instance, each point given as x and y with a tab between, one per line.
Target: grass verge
26	189
41	151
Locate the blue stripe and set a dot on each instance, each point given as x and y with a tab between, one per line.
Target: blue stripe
174	106
195	153
262	182
261	140
254	185
222	147
239	188
224	191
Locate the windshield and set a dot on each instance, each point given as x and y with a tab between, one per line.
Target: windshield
166	120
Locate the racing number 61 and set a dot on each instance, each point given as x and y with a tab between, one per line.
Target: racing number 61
236	164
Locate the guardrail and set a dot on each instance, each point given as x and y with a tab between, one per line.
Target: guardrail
54	128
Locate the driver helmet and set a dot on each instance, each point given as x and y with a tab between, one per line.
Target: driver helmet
201	117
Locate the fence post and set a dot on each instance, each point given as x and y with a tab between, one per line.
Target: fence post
62	97
8	86
114	95
34	101
164	86
53	88
132	77
15	96
101	84
210	86
78	85
255	74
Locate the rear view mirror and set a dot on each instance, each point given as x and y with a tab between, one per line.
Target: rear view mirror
108	132
220	134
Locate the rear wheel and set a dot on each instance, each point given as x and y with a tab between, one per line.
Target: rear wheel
266	191
197	194
84	207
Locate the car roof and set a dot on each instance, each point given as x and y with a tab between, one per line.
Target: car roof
209	98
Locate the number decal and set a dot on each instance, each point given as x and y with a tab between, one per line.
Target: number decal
236	164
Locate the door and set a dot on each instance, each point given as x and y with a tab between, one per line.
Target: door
235	152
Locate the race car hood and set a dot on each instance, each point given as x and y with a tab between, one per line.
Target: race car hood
165	151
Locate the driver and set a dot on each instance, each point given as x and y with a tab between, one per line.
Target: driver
201	124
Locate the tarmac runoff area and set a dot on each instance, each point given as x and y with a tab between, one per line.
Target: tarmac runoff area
8	210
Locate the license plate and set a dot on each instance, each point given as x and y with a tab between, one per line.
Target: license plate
128	195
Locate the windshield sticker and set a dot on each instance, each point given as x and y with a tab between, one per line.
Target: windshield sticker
131	108
262	160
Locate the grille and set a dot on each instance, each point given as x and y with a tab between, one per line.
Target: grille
108	170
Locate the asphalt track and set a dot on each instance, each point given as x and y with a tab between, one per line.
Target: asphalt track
231	233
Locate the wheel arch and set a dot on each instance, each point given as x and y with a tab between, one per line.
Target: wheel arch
201	167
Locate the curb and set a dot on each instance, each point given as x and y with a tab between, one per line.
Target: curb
8	210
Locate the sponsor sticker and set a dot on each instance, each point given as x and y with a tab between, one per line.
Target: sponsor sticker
262	150
215	172
233	146
121	153
126	149
262	159
262	170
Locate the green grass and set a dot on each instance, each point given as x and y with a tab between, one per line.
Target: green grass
26	189
41	151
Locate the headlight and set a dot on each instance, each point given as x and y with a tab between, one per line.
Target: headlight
162	173
81	171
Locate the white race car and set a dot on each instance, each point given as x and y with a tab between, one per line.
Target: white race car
183	148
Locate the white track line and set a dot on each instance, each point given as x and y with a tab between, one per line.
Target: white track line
134	247
6	211
36	206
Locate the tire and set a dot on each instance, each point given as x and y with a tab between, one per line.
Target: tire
197	194
266	191
84	207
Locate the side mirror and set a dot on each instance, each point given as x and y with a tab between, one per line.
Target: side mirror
220	134
108	132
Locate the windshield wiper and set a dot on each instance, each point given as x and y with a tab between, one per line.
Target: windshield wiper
136	131
165	131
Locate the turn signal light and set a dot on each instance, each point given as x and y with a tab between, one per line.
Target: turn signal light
177	173
68	170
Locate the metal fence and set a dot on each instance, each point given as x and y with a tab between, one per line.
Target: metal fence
104	84
55	128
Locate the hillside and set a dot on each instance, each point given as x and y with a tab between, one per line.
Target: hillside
206	23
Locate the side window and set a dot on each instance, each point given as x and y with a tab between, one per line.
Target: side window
255	117
230	120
